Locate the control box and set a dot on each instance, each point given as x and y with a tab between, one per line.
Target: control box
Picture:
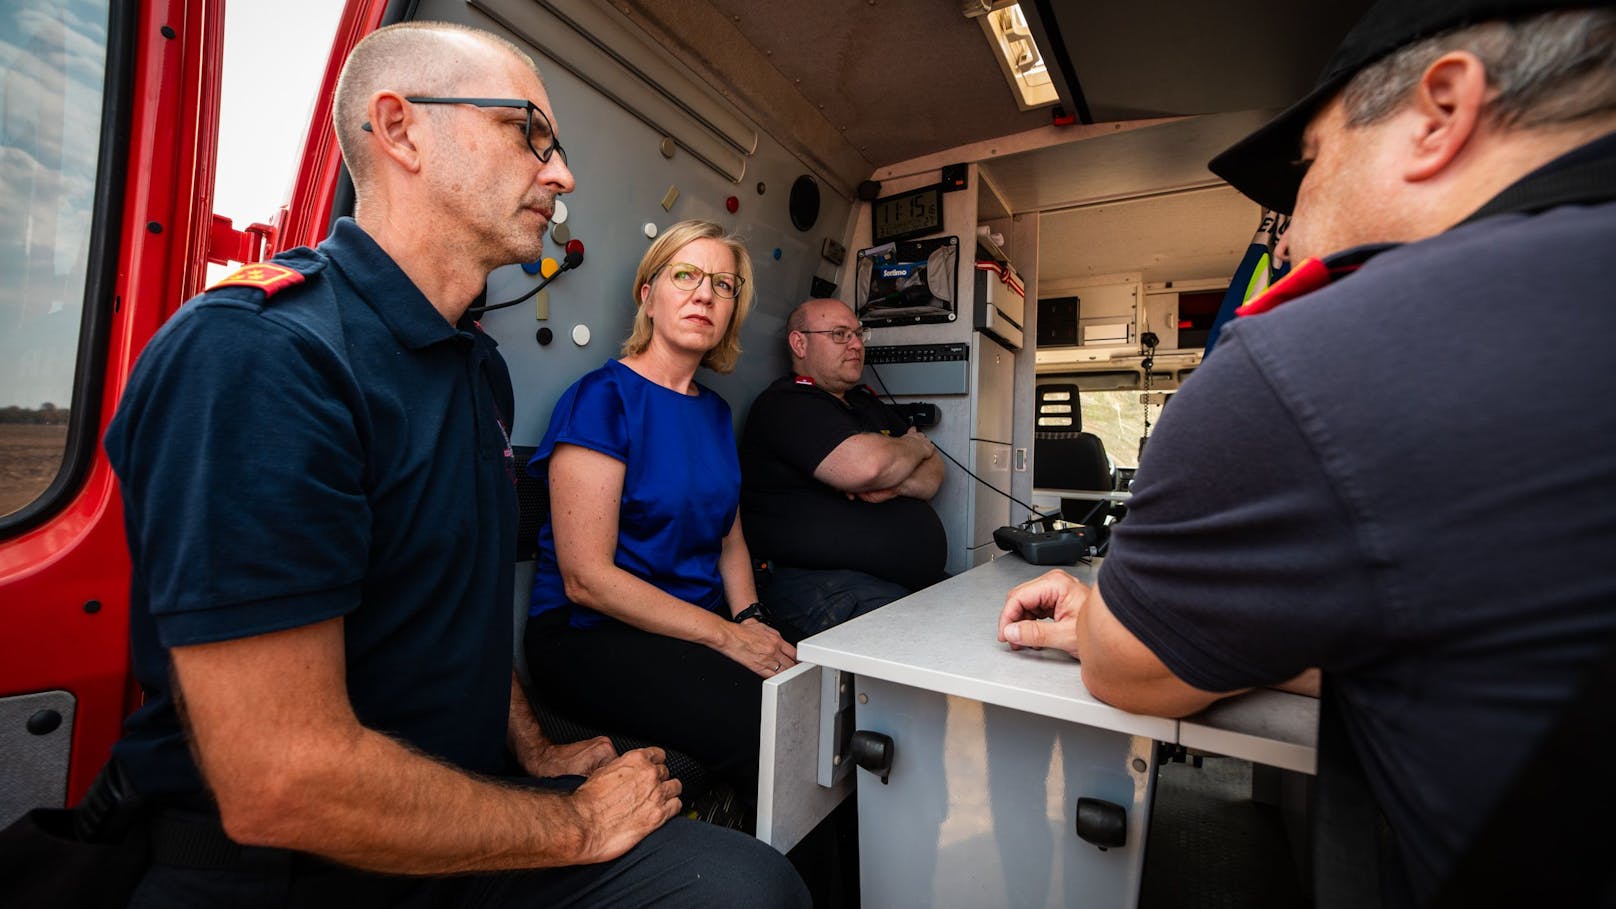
918	369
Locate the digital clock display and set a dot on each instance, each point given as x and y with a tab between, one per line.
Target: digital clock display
911	214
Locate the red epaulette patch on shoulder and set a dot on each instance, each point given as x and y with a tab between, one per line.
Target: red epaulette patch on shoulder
266	276
1308	275
1312	274
805	380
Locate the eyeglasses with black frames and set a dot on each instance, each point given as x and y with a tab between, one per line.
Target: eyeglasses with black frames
841	334
540	134
688	277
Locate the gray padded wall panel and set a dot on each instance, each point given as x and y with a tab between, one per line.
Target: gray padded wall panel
33	768
622	178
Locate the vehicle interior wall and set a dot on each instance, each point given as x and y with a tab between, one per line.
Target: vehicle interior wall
622	180
822	103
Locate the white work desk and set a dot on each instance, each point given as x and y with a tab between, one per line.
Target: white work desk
992	750
1087	495
944	639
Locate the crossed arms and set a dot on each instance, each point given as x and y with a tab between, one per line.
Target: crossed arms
876	467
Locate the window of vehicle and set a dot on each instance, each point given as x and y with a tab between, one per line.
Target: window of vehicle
1118	419
53	56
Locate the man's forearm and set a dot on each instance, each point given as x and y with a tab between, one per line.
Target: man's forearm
870	461
523	731
924	481
291	766
892	463
372	803
1123	672
900	457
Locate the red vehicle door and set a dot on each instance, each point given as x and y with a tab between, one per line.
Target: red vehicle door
109	114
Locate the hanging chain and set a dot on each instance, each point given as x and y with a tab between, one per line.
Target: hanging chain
1149	342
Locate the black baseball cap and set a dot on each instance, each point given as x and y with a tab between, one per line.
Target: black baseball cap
1263	164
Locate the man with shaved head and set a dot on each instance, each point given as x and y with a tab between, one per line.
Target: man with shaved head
316	472
835	484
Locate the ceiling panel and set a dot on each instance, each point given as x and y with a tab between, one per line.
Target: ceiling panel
1152	159
1153	58
1182	237
855	86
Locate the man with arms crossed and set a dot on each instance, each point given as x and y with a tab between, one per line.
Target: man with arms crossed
1403	477
834	483
316	472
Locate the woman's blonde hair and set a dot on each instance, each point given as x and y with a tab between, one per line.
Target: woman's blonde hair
721	359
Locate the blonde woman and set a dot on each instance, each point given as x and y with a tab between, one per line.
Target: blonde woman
641	609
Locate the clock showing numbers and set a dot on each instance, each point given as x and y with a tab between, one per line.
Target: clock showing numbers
911	214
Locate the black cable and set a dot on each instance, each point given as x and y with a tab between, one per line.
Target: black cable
894	402
572	260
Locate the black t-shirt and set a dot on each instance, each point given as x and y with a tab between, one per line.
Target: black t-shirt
792	518
334	449
1406	479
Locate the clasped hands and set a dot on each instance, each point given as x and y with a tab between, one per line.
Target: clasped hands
1055	595
624	798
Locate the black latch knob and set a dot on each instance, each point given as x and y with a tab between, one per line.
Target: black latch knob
873	751
44	722
1105	824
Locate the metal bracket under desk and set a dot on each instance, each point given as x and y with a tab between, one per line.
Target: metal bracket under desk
1086	495
1274	728
790	799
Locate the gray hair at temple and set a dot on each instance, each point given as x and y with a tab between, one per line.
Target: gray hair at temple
411	58
1549	69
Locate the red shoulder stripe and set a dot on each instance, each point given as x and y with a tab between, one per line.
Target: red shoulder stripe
266	276
1308	275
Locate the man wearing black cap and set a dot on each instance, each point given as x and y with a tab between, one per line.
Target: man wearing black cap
1403	475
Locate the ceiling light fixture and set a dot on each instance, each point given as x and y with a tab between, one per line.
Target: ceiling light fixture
1006	30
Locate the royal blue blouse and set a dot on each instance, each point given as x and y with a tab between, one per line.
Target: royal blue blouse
681	484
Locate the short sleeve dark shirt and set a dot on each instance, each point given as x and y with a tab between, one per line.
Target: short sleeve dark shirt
335	449
793	518
1406	479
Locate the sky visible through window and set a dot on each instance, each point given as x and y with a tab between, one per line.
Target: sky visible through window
52	73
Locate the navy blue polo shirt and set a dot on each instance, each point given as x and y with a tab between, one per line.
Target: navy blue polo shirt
1374	479
334	448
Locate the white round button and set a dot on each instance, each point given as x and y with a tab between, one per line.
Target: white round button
580	334
650	230
560	216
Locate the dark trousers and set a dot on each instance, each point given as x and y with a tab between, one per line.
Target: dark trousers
804	602
649	686
683	863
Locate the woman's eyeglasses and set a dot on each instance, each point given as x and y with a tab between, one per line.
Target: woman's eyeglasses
688	277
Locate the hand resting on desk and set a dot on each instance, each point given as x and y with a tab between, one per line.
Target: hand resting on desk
1054	595
1117	667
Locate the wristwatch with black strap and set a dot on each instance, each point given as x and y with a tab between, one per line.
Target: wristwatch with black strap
754	611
